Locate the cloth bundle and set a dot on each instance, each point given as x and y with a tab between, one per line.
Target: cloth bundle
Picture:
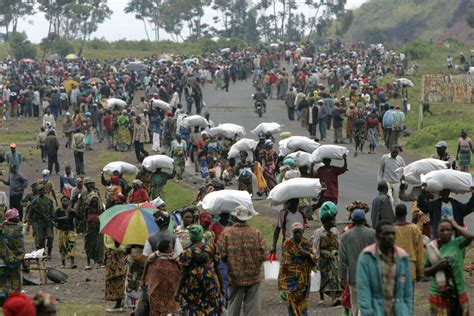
121	167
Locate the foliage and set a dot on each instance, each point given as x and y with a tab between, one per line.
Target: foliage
418	49
470	15
20	46
62	46
12	11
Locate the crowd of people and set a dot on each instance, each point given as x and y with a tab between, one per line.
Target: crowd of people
202	264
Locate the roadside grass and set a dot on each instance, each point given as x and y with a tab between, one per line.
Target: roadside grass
177	195
79	309
265	225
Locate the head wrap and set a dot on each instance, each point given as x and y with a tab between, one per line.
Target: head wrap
18	304
205	219
296	226
328	209
196	232
288	161
12	214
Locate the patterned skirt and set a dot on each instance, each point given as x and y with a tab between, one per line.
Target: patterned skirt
443	306
67	243
464	158
10	280
115	275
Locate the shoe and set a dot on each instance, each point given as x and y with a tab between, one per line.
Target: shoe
86	268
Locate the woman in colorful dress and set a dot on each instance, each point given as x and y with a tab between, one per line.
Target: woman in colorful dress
182	231
168	128
178	153
134	267
115	257
268	159
326	246
123	137
445	263
161	277
298	259
373	130
200	290
360	133
351	114
66	232
465	151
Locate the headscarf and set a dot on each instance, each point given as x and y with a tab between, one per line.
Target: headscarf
288	161
18	304
196	233
205	219
328	209
12	214
296	226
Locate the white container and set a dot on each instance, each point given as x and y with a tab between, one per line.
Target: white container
272	269
315	282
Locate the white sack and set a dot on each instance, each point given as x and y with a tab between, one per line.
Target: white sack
413	171
179	120
227	130
267	128
154	162
120	166
112	102
301	158
453	180
165	106
226	201
295	143
295	188
245	144
194	120
330	152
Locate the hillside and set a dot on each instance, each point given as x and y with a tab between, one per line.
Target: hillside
402	20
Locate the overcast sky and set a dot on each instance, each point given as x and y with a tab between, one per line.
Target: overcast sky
119	26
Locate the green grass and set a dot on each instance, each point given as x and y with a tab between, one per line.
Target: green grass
79	309
177	195
265	225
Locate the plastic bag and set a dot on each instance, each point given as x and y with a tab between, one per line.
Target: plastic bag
301	158
226	201
295	143
295	188
413	171
227	130
271	267
194	120
260	179
449	179
121	167
114	102
245	144
330	152
154	162
267	128
315	281
165	106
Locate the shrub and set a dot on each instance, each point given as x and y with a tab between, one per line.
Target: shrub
418	49
62	46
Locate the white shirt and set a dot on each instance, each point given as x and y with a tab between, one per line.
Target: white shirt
178	249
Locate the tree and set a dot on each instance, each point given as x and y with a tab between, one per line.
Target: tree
20	46
12	11
143	10
172	18
326	12
251	32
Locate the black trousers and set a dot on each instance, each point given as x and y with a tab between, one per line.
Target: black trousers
15	202
140	148
53	160
79	161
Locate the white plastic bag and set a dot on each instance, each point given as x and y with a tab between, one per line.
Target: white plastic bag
295	188
245	144
449	179
227	130
121	167
114	102
154	162
330	152
295	143
226	201
413	171
271	269
315	282
194	120
165	106
267	128
301	158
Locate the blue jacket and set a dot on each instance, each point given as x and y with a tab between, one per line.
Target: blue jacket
370	288
387	120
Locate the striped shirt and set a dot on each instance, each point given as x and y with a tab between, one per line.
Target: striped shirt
388	268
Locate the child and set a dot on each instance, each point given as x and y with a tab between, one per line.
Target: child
66	232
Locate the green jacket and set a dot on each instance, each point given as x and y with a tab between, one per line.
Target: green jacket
370	294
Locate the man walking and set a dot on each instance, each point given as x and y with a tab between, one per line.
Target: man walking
352	244
383	279
52	146
398	124
140	137
243	249
78	145
410	239
387	172
13	158
41	217
382	206
329	178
